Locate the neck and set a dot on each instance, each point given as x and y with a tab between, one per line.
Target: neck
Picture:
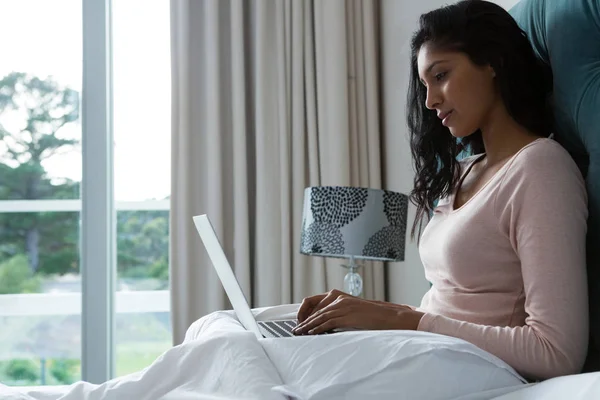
503	137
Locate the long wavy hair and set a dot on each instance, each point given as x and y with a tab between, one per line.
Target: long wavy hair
488	35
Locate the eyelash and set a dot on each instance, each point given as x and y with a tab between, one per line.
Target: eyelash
440	76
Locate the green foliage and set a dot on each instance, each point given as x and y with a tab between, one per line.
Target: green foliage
143	245
23	371
16	277
65	371
19	370
160	269
43	110
35	117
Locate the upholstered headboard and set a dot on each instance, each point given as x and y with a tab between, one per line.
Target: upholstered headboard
566	35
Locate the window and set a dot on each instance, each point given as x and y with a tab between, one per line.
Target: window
142	126
40	163
42	318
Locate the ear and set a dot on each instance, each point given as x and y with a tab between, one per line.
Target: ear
493	70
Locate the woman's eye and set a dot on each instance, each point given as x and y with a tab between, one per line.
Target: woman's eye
440	76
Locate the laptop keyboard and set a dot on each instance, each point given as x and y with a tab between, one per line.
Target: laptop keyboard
279	328
282	328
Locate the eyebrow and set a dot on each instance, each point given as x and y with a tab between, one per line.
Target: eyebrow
433	64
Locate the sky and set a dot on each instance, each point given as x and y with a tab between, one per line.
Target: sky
44	38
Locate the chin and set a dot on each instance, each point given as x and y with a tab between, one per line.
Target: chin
460	133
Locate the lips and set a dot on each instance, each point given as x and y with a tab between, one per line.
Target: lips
444	116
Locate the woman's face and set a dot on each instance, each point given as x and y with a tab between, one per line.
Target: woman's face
462	93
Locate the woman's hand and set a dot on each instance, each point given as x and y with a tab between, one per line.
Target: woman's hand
336	309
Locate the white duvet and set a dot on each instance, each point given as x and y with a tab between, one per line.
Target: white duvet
220	360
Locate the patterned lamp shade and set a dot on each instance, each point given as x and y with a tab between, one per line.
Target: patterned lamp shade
346	222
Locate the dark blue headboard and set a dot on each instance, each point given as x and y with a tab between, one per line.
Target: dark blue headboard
566	35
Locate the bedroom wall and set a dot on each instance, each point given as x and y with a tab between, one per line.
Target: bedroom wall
407	282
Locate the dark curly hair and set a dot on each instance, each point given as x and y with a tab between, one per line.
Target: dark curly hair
488	35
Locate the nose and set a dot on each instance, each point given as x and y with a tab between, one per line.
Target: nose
433	99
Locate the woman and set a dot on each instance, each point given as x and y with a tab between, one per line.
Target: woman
504	248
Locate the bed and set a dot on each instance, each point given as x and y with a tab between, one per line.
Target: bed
220	360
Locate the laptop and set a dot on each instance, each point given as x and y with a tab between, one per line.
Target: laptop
262	329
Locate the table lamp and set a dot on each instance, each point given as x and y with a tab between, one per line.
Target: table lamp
354	223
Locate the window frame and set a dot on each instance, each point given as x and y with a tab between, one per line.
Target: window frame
98	302
98	215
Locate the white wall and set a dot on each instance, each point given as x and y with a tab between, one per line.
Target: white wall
507	4
398	21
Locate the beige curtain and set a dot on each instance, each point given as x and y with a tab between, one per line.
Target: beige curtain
269	97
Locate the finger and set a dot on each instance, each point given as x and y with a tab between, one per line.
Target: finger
330	324
307	306
316	321
317	303
326	301
341	303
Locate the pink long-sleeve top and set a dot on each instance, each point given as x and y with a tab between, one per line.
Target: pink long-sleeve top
508	268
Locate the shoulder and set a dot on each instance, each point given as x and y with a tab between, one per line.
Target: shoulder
543	150
542	176
544	159
542	195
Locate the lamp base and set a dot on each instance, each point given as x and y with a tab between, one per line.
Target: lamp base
353	283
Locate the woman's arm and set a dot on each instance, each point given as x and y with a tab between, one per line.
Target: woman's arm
338	310
541	205
386	303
